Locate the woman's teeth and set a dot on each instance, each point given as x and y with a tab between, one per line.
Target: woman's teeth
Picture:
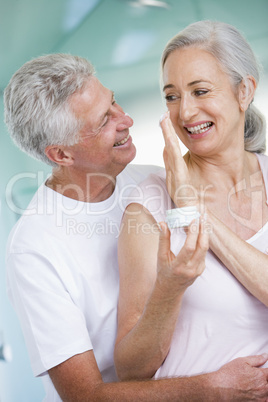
121	142
201	128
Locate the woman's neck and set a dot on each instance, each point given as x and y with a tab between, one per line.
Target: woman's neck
222	171
232	189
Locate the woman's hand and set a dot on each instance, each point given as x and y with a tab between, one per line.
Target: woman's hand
177	273
178	180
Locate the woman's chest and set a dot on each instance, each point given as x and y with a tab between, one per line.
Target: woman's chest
245	212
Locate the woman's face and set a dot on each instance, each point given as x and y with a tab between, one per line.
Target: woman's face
203	106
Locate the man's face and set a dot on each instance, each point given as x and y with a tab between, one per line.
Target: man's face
105	145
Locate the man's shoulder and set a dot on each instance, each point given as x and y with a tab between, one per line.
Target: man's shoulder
138	173
37	222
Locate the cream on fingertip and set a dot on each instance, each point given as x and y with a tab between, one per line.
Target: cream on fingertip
164	116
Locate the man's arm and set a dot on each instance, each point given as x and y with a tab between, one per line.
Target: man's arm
79	380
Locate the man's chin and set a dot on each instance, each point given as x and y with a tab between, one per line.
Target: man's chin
134	154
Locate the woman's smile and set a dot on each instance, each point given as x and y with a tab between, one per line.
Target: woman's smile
198	130
202	102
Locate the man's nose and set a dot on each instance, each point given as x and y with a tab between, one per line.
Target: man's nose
130	120
124	119
125	122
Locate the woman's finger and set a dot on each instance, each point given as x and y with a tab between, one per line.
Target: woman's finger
202	246
172	146
169	134
177	175
165	128
189	247
166	159
164	240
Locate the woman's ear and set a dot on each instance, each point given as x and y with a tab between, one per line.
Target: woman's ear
247	89
59	155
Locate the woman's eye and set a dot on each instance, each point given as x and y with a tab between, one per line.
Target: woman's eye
200	92
170	98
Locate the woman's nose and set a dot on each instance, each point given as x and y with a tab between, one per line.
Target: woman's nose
187	109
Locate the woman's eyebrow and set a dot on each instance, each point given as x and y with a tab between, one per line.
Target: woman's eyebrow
168	86
197	82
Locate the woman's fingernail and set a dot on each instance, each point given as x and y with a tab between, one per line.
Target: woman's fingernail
160	226
164	116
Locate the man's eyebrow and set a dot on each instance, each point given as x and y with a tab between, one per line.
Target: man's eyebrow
171	86
102	117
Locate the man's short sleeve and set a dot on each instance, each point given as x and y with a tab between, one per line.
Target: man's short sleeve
45	306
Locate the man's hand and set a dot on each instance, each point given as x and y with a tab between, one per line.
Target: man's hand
242	380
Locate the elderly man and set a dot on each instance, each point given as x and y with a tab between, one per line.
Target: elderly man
62	258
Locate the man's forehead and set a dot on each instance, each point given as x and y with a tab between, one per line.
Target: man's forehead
92	103
91	93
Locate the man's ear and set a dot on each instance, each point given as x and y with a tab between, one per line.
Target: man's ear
247	89
59	155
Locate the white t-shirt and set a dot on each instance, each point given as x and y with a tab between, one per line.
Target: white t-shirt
62	276
219	318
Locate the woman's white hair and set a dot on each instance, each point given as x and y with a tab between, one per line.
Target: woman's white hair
237	59
37	110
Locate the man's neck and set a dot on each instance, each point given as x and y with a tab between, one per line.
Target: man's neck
85	187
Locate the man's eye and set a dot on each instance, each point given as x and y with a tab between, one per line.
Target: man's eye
102	125
113	99
105	122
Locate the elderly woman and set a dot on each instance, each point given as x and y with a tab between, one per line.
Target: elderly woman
175	317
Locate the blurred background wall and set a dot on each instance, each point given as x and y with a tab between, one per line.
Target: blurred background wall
124	40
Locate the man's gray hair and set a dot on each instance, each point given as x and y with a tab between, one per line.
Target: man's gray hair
37	109
237	59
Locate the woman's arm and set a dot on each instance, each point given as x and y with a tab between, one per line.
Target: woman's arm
152	283
245	262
